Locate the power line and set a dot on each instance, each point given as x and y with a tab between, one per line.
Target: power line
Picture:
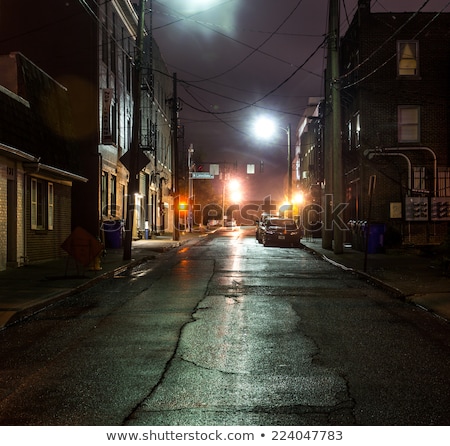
389	39
370	56
253	49
258	47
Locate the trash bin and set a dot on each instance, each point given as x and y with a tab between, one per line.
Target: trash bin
375	244
112	230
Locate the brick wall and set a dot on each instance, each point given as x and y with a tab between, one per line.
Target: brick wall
374	90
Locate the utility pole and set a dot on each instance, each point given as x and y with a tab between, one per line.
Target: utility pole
133	181
175	176
289	163
336	144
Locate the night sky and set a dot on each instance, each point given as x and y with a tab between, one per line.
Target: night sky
239	59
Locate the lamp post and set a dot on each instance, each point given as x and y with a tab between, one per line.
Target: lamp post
233	198
190	187
265	128
289	162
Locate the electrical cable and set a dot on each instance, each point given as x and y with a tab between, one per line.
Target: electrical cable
252	48
258	47
397	31
269	93
395	54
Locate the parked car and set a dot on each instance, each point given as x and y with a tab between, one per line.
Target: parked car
281	232
213	224
260	225
231	224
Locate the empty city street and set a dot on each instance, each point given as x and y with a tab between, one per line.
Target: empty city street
224	331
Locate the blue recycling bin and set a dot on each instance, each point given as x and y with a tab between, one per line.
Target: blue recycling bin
112	231
375	244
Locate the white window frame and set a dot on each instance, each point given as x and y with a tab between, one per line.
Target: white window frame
45	202
50	206
34	203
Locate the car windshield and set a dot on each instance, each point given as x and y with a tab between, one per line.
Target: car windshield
282	223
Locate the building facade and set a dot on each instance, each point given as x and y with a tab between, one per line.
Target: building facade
90	48
395	107
395	97
35	149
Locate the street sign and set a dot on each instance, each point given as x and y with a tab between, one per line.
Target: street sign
142	160
202	176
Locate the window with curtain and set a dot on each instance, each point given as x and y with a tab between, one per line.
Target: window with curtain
408	58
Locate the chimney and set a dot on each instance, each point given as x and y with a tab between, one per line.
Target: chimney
364	6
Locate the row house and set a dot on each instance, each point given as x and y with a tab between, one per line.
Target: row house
36	147
395	124
90	47
308	163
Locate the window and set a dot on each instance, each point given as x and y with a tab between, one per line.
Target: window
419	178
357	130
408	58
104	43
42	204
113	186
50	206
408	123
104	193
354	132
444	182
112	46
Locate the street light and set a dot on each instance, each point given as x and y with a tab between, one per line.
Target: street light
265	128
190	187
235	191
234	196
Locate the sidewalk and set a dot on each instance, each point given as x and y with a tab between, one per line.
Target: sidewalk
30	288
404	273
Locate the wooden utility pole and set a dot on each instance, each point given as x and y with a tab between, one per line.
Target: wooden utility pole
289	163
175	175
133	181
336	144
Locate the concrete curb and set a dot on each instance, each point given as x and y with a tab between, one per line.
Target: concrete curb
375	281
25	313
390	289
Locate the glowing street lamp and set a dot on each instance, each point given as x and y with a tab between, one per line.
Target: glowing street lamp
235	191
266	128
234	195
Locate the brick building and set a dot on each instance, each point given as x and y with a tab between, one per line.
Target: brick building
395	109
89	47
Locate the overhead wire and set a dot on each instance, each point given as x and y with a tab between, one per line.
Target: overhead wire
213	28
258	47
379	47
394	55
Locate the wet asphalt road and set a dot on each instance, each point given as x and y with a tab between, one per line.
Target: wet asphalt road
227	332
